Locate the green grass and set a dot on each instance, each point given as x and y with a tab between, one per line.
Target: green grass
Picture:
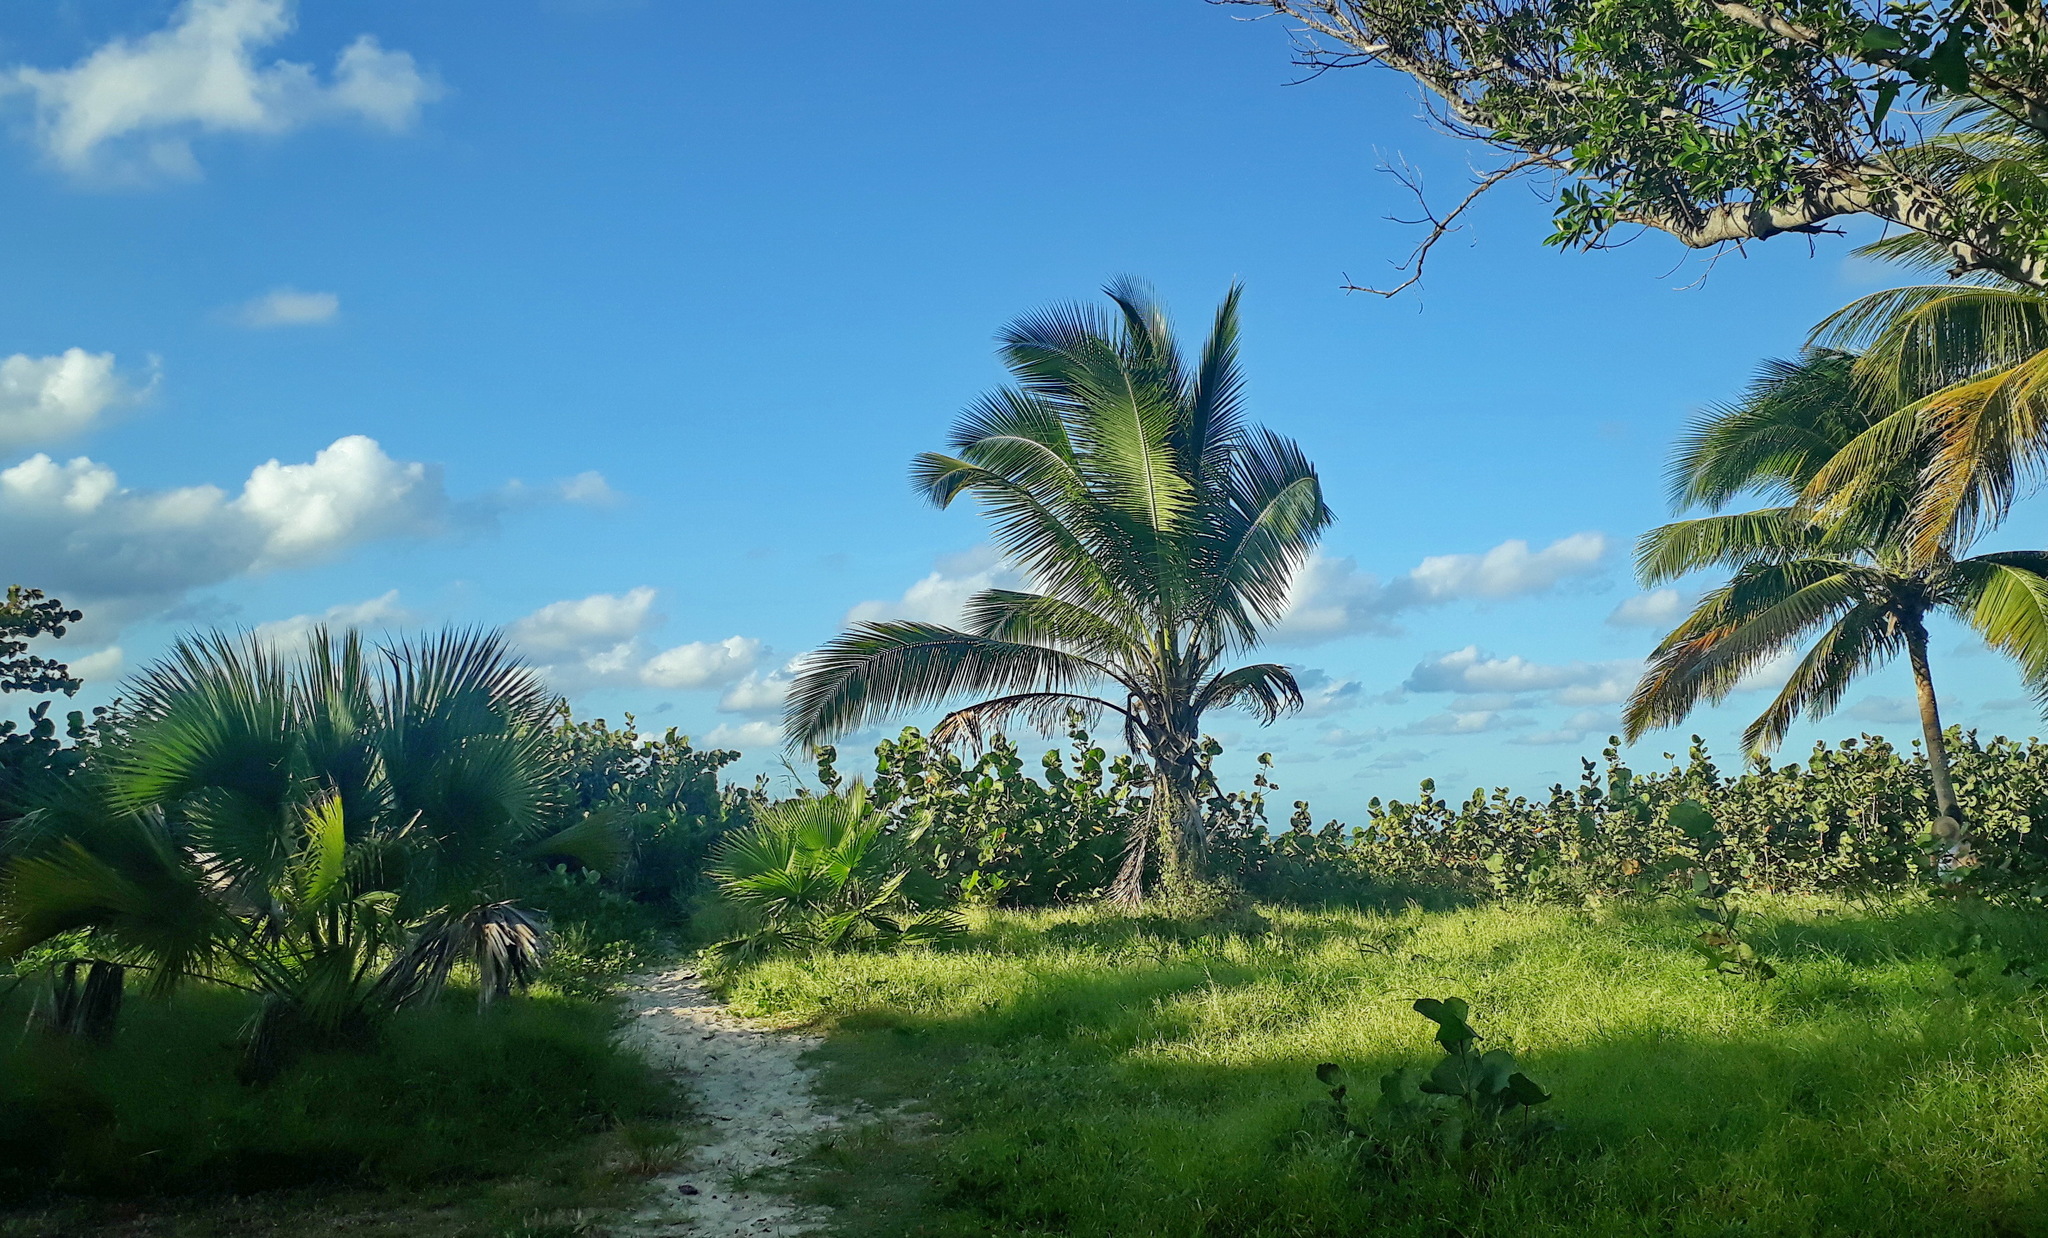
1091	1074
451	1121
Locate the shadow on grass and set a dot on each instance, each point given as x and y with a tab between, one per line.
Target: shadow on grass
1086	1103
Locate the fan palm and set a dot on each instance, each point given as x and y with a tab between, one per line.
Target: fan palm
1161	533
823	873
333	831
1855	585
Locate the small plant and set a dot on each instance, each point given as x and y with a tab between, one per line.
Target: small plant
1969	945
1722	945
1468	1099
821	873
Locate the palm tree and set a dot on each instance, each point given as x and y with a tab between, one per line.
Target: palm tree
1855	584
1161	533
1962	366
333	831
822	872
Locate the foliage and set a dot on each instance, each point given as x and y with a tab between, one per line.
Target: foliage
1853	820
1464	1102
1722	943
989	832
1162	531
1084	1067
335	831
822	873
25	615
1723	122
447	1092
661	794
33	757
1850	583
1962	367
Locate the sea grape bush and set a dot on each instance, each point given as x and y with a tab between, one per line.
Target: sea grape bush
1466	1100
663	794
990	832
1854	819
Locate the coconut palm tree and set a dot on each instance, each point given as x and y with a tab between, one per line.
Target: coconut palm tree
1160	531
1962	366
1854	588
333	831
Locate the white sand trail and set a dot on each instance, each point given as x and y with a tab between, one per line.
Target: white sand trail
752	1089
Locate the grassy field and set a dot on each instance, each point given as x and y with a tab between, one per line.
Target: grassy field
451	1123
1089	1073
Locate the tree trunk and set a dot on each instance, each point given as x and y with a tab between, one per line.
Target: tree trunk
1948	814
1172	828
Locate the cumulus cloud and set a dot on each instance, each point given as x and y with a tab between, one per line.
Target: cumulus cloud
1323	695
1401	759
939	597
1333	597
1659	608
99	666
380	611
743	736
1573	729
758	693
1469	670
48	399
1474	722
1884	709
602	639
77	531
288	307
130	109
703	664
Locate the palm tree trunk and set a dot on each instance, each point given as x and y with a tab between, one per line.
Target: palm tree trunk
1948	814
1172	829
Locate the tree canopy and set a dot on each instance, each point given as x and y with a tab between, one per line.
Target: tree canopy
1719	123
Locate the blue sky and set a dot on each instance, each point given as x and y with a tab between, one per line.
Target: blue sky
617	324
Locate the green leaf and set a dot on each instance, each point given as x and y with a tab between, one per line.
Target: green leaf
1879	39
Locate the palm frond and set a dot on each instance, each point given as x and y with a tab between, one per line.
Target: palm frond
883	666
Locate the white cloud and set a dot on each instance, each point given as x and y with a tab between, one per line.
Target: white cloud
1474	722
744	736
288	307
1468	670
939	597
703	664
46	399
585	627
1884	709
1401	759
287	634
1509	570
589	488
130	109
100	665
758	693
1322	695
1332	597
1659	608
603	639
76	531
1573	729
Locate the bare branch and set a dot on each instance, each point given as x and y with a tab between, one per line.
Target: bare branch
1442	226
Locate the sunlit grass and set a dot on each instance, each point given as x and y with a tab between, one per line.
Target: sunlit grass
1099	1074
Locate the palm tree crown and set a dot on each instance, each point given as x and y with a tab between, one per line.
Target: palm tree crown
1161	533
1853	580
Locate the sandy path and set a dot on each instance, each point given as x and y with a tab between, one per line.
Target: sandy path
749	1087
